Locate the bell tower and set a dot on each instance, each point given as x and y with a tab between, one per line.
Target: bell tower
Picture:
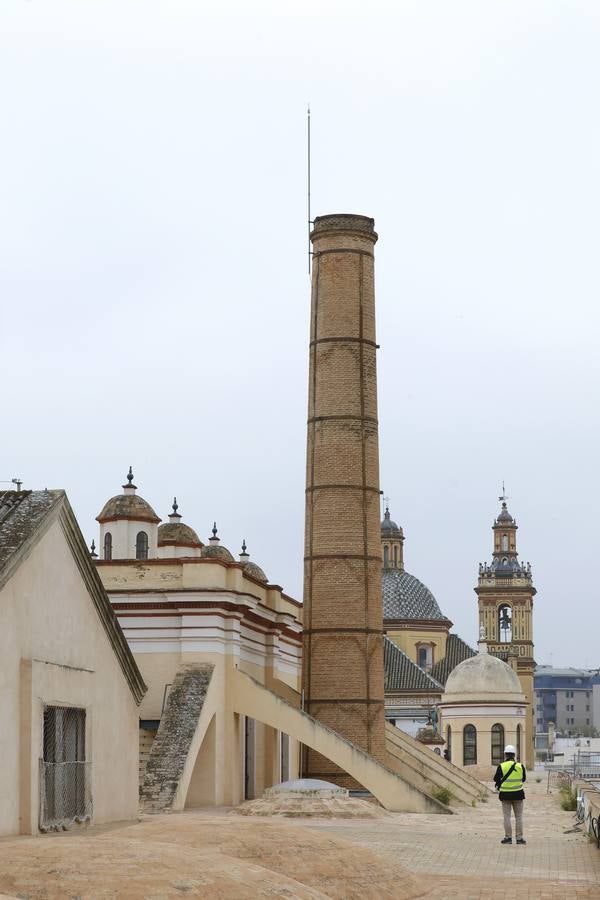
505	595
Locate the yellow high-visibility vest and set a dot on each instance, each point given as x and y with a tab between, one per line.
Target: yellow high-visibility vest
514	782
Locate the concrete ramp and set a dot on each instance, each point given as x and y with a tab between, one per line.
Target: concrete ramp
250	698
426	770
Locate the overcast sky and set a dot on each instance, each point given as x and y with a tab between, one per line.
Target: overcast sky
154	286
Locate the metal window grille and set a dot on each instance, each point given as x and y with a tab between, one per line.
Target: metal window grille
141	545
469	745
65	775
497	744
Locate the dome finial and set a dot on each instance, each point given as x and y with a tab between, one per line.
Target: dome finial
244	555
93	553
215	537
129	487
174	515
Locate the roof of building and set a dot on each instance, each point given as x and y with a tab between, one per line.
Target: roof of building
217	552
25	516
405	597
482	674
402	674
214	549
127	506
504	517
389	528
564	673
254	571
456	652
20	514
178	533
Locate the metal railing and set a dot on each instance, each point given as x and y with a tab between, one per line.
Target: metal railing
65	794
584	815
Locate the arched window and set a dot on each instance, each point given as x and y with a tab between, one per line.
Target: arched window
386	554
422	657
518	748
505	623
497	744
396	557
449	743
141	545
504	542
108	545
469	745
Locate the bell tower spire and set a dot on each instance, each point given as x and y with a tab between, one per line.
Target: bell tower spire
505	595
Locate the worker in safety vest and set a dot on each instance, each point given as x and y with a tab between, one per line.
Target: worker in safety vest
509	778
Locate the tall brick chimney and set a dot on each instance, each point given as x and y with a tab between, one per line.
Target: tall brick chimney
343	614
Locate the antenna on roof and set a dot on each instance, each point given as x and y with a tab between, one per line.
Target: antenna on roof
18	483
310	222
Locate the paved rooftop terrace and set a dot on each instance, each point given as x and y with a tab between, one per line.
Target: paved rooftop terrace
216	854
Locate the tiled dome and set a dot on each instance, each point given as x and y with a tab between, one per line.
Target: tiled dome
178	533
254	571
214	550
127	506
405	597
217	552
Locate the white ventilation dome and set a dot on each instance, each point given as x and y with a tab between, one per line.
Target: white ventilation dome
482	674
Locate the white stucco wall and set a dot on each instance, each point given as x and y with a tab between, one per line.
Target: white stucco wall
54	650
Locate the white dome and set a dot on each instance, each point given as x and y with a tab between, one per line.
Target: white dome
483	674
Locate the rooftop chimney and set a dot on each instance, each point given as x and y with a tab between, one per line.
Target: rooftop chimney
343	621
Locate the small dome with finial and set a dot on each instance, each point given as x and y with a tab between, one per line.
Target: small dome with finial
176	533
504	517
127	505
251	568
389	528
214	550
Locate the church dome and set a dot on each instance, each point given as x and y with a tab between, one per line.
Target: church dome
177	533
251	568
504	517
214	550
405	597
389	528
483	674
127	505
254	571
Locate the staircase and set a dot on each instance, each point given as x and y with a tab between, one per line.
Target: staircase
427	771
169	750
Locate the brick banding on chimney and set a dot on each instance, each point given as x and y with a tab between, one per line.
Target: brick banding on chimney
343	637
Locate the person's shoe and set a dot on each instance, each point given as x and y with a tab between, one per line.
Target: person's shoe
506	841
521	841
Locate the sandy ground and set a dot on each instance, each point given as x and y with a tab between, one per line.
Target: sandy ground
212	854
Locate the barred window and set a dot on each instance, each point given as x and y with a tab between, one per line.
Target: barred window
469	745
65	792
497	744
141	545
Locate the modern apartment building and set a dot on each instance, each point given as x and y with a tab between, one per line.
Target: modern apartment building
568	697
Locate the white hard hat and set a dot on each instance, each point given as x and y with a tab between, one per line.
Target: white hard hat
509	749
